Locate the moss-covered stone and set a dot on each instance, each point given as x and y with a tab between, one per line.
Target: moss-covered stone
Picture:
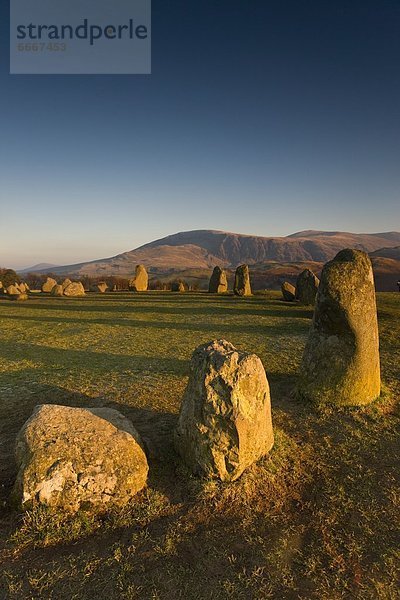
341	359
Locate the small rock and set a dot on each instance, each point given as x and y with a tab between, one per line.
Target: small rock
288	292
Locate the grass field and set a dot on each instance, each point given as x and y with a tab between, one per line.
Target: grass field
317	518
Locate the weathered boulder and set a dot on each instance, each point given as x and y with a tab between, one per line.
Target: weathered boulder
178	286
74	289
141	280
48	285
341	359
57	290
225	420
73	458
218	281
307	287
288	292
13	290
66	283
242	285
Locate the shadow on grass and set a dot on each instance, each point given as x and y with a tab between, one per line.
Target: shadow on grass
101	361
229	307
216	328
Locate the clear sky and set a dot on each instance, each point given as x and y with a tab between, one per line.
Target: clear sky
260	116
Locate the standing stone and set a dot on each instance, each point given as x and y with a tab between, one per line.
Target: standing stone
307	287
57	290
225	420
242	285
74	289
288	292
218	281
66	283
141	280
341	360
178	286
48	285
72	458
13	290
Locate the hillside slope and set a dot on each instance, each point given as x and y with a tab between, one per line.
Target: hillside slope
207	248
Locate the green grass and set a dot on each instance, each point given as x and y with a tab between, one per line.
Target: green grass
317	518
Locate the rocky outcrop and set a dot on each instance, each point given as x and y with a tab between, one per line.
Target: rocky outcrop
76	458
225	420
341	360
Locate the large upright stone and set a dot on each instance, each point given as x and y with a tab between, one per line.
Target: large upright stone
288	291
48	285
242	285
57	290
66	283
74	289
218	281
140	282
225	420
72	458
341	360
307	287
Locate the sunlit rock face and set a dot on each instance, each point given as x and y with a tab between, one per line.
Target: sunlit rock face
48	285
341	360
73	458
225	421
141	280
74	289
288	291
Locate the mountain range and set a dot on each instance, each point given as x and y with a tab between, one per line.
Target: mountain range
203	249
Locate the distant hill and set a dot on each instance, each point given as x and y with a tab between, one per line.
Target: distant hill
38	267
203	249
393	253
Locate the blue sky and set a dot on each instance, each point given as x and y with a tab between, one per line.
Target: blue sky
262	117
